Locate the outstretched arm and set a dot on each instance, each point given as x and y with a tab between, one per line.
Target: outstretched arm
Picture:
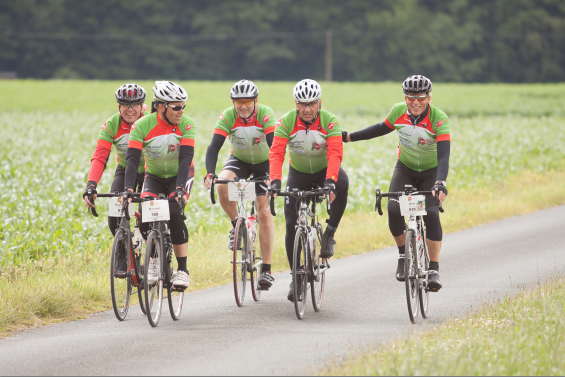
371	132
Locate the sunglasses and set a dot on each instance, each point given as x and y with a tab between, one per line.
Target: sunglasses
176	108
419	98
311	105
247	102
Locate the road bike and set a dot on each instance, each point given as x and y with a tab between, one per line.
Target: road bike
126	268
417	259
307	244
245	259
159	247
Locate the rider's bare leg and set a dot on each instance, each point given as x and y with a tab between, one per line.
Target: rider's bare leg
230	208
266	229
434	248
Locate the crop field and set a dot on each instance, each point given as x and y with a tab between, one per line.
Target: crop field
498	131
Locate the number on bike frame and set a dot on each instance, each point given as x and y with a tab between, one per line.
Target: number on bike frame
155	210
412	205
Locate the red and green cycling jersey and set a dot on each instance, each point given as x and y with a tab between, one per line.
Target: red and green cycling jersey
248	137
312	147
114	132
418	143
160	143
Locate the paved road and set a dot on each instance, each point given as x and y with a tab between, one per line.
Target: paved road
363	305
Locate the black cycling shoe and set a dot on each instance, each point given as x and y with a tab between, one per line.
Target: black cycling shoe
434	284
328	244
400	268
290	295
266	280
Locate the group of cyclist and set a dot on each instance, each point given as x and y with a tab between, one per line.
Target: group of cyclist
155	155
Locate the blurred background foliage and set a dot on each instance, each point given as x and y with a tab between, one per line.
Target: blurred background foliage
386	40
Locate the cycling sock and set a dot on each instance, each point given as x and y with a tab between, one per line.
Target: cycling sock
182	264
233	222
401	249
265	267
434	266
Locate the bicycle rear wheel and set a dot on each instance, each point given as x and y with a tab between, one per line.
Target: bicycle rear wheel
299	275
175	296
120	281
154	291
255	275
424	259
139	261
318	277
411	279
239	261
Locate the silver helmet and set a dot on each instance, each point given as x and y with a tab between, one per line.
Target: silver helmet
168	91
130	94
307	91
244	89
417	84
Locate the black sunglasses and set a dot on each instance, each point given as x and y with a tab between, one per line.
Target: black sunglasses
177	108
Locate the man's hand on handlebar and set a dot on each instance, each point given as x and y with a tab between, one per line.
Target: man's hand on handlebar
208	180
329	185
128	194
441	191
180	196
275	186
88	193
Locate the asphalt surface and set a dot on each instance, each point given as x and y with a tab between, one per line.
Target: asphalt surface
363	305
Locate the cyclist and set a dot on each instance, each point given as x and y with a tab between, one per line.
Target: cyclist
423	162
250	127
315	147
116	131
166	139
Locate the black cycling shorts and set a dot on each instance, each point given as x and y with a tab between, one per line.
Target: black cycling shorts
153	186
118	185
423	181
243	170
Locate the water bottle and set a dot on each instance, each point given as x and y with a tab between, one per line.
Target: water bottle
313	234
251	229
137	241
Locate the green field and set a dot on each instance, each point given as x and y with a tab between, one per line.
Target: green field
505	139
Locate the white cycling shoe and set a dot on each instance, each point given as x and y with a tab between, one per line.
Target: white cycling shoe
181	280
152	271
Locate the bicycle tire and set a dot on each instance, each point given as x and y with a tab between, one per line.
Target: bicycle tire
139	263
120	280
300	277
175	296
411	279
239	261
255	275
318	278
424	260
155	290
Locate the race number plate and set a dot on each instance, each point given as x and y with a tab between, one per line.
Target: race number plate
413	205
155	210
115	208
238	189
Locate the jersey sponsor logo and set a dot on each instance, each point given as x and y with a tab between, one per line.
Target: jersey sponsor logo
256	141
265	119
132	127
188	127
104	126
421	141
331	126
221	116
171	148
438	124
315	146
279	122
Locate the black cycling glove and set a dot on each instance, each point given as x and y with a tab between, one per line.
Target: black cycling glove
329	185
439	187
126	195
276	185
344	136
90	192
181	195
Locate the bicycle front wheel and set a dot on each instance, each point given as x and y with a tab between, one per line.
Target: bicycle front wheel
424	259
175	296
120	280
153	290
299	275
318	272
255	274
411	279
139	262
240	260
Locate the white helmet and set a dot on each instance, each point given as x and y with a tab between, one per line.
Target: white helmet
417	84
244	89
168	91
307	91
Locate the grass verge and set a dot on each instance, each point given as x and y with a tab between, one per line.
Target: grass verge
62	289
521	335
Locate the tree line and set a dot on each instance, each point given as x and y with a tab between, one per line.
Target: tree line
370	40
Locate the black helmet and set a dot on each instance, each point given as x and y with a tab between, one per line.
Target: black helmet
417	84
130	94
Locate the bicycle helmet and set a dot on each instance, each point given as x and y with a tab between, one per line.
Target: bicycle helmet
307	91
417	84
244	89
130	94
168	91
